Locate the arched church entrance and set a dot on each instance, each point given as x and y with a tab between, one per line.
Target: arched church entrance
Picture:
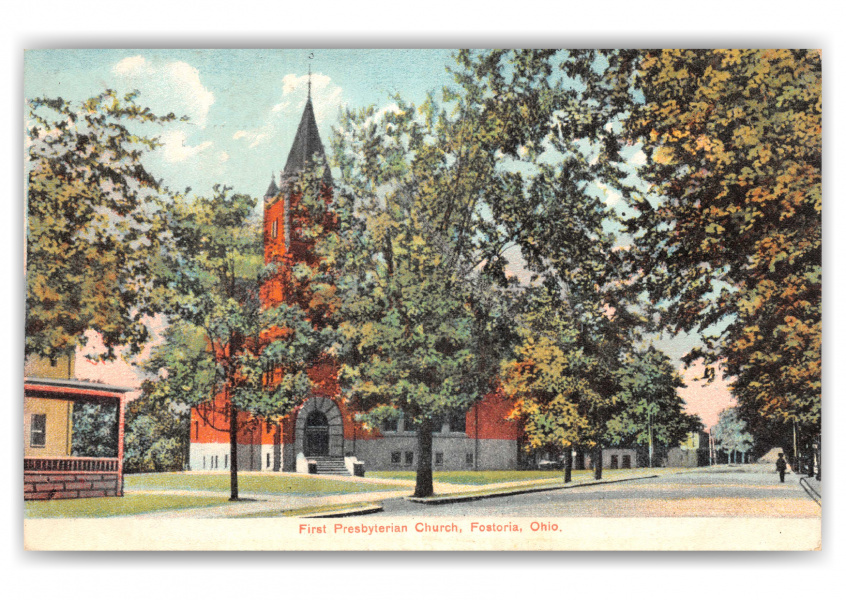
320	429
317	434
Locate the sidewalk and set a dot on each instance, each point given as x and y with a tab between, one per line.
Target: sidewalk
268	504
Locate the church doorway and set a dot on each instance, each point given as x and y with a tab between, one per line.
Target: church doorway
317	434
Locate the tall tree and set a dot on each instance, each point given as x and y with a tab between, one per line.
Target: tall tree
731	434
419	258
226	351
651	410
563	394
92	224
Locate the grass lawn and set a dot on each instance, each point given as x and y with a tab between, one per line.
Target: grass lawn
114	507
278	483
476	477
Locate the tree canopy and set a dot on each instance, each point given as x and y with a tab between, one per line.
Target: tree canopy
92	223
224	342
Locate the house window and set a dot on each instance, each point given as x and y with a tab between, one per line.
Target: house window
274	229
468	459
409	458
38	431
439	458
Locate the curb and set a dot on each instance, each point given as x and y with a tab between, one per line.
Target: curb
815	496
350	512
499	494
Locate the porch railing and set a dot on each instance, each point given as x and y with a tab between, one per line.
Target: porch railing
71	464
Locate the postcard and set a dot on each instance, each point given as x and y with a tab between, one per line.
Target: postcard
309	299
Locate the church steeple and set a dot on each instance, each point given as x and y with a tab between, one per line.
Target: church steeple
306	144
272	189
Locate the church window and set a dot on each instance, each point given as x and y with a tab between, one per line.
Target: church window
225	461
268	460
468	459
274	228
439	458
396	458
38	430
409	458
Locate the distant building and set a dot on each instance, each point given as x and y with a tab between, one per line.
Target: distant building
693	452
51	470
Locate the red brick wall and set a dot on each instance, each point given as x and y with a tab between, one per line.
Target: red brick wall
54	486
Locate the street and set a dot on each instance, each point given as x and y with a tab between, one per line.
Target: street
736	491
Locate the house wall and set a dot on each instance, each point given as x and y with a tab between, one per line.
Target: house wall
56	486
59	426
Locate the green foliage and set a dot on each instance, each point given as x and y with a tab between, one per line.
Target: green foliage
156	435
92	225
651	410
730	433
218	338
563	393
416	262
94	430
722	214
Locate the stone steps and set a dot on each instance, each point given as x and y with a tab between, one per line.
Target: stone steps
329	465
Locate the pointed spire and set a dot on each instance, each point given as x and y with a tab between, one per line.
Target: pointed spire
272	190
306	144
309	81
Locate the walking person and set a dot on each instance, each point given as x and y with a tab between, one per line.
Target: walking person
781	466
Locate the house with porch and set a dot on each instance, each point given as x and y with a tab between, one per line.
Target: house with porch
55	464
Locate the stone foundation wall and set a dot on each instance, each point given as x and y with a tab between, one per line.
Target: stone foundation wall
54	486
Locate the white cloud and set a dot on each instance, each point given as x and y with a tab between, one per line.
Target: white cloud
222	156
254	136
325	95
168	87
132	65
175	149
285	114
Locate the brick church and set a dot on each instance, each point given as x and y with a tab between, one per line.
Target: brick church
322	430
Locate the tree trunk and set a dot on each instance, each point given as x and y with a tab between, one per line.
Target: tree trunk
424	487
233	453
597	462
568	464
580	459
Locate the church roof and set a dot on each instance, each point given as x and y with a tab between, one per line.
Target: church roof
272	189
306	144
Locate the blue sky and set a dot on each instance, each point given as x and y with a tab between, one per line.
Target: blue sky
244	105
